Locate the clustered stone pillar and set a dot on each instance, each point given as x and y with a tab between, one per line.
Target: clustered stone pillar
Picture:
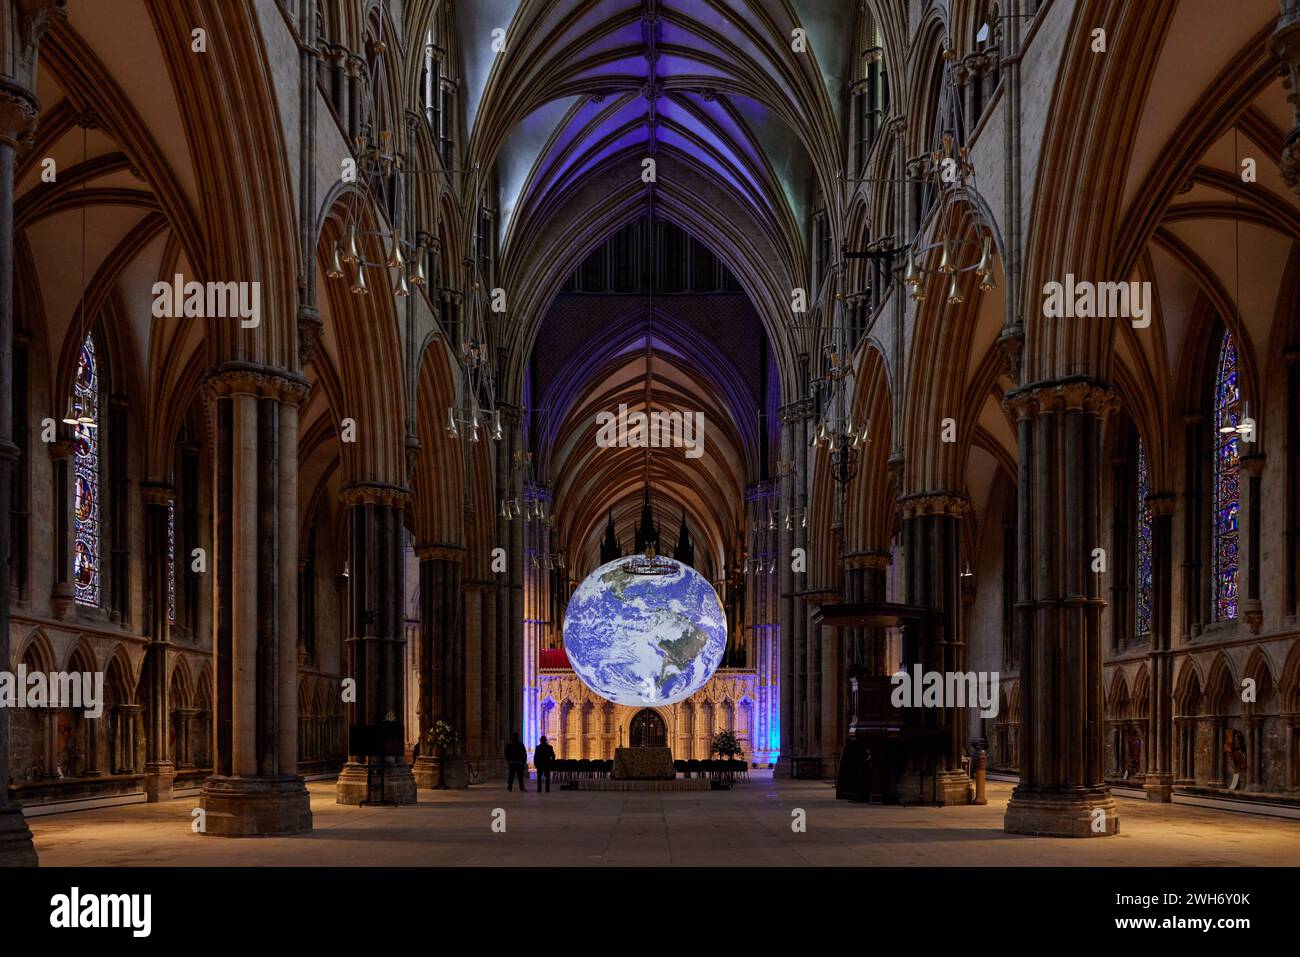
375	634
1159	781
159	770
442	664
1062	790
932	548
255	787
795	714
23	25
62	590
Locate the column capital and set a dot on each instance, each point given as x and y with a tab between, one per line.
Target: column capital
26	25
62	449
19	112
157	493
264	382
876	560
374	493
440	552
1046	398
933	503
796	411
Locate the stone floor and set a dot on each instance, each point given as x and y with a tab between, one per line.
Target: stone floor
747	827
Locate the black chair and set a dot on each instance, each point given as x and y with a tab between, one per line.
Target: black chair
680	767
584	768
694	768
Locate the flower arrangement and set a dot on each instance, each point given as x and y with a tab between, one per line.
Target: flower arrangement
441	736
725	745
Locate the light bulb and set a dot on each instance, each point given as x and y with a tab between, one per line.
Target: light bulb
401	290
353	252
335	269
359	281
912	278
984	268
954	292
451	424
946	264
395	258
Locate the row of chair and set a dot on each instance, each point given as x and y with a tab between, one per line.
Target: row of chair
571	769
713	768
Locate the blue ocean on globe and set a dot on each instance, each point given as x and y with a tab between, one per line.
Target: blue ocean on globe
645	639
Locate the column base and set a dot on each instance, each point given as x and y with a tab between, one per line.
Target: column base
1091	813
354	787
455	775
255	807
158	780
16	848
943	788
1159	787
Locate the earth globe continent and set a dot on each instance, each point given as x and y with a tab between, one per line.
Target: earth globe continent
640	639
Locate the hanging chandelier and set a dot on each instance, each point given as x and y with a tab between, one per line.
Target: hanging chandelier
949	172
379	250
373	251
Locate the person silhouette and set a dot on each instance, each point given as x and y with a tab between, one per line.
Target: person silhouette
516	763
544	757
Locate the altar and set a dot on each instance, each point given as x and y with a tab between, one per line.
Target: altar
643	764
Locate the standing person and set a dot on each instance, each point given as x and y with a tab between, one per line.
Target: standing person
517	762
543	757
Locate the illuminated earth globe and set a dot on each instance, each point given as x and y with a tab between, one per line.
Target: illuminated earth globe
645	639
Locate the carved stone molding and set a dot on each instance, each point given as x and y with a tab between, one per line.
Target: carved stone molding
871	560
263	382
933	503
1253	464
374	493
796	411
1285	44
18	115
157	494
310	328
440	552
1054	398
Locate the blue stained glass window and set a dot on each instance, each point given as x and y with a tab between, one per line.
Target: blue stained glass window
1227	489
1143	562
85	502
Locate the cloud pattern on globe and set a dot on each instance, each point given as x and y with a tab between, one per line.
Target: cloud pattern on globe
642	640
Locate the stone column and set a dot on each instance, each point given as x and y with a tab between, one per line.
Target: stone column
932	550
23	25
375	632
795	716
1159	782
255	787
159	769
1249	607
442	662
62	591
1062	791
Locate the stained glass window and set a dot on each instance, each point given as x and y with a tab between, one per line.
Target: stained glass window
1143	560
85	503
171	561
1227	489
